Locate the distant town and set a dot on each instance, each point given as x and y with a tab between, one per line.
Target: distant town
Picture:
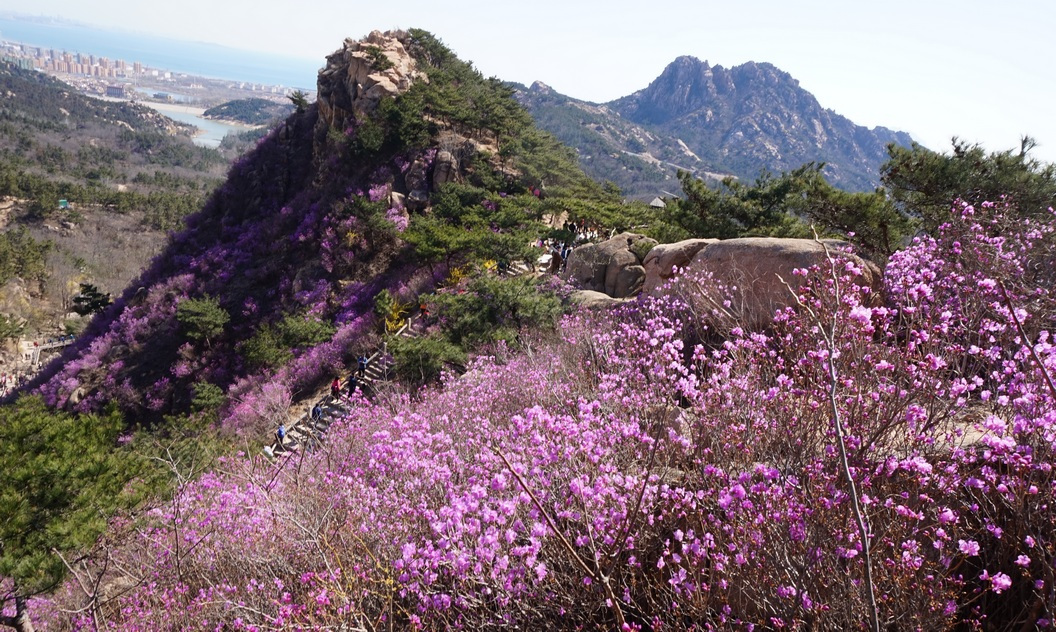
118	78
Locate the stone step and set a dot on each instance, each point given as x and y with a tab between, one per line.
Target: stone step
308	432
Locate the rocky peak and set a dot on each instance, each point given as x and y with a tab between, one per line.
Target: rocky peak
362	72
539	87
686	84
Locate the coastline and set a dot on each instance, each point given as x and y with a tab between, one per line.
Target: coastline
196	111
172	107
186	114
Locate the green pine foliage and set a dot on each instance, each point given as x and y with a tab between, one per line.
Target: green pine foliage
208	398
11	327
273	345
22	256
470	223
419	361
490	308
798	203
202	318
90	300
61	478
924	183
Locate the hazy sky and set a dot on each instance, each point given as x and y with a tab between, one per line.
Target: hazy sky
982	71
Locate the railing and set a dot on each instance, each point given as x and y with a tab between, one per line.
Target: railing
32	354
308	431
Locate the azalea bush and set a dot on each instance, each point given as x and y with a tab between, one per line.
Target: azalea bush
875	457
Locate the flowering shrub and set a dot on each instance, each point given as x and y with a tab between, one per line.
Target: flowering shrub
858	464
269	245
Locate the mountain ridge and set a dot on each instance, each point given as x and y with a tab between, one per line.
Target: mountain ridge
340	201
713	122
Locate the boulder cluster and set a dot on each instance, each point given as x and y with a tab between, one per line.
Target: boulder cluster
756	273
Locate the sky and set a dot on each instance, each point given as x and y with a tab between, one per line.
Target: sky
981	71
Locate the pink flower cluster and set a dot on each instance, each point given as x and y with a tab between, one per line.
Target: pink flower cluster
656	468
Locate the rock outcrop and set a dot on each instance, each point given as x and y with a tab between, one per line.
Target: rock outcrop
446	168
589	299
755	274
361	73
664	258
613	266
356	78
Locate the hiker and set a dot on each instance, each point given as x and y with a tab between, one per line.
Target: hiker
353	383
317	412
363	361
335	388
280	434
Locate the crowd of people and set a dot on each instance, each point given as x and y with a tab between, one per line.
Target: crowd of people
11	381
352	384
54	341
557	249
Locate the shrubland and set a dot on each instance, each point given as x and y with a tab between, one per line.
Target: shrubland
865	461
870	457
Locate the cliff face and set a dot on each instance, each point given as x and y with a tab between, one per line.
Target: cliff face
712	122
757	116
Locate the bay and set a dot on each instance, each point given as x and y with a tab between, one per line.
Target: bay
192	58
210	132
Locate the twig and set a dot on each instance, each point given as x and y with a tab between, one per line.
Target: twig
1026	341
829	337
597	575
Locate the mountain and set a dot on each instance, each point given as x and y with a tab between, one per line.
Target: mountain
712	122
641	162
271	288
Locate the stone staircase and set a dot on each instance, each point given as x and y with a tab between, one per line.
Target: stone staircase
519	268
29	350
310	433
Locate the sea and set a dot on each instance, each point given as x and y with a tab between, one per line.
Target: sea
192	58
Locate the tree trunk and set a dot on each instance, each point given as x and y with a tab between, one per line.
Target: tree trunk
21	620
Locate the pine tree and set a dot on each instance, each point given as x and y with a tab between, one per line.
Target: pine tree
61	479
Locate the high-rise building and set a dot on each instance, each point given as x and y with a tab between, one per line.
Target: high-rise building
137	68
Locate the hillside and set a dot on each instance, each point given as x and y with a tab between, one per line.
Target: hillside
89	150
764	432
342	200
712	122
249	111
125	175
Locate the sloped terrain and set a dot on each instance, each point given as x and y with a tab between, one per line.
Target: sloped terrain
712	122
274	281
